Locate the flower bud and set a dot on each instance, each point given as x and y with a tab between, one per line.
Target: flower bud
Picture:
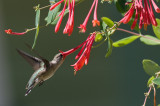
98	37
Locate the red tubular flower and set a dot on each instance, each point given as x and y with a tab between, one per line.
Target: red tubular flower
84	53
128	15
70	23
9	31
142	12
155	6
84	58
95	21
61	17
55	5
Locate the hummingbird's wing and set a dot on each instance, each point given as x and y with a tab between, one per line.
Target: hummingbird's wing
46	62
33	61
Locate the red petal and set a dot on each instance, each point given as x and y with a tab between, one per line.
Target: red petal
55	5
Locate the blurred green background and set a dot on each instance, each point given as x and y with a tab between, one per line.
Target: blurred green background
116	81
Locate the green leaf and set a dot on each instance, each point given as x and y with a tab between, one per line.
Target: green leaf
37	21
156	81
103	26
109	51
121	7
125	41
108	21
106	25
57	17
156	29
36	36
150	67
150	40
37	18
150	81
52	14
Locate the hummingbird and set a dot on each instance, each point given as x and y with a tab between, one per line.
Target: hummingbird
43	69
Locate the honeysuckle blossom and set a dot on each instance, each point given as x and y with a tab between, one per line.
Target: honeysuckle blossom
94	21
84	53
9	31
143	12
70	23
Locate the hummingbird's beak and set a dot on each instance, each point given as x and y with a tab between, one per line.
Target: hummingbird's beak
66	53
62	54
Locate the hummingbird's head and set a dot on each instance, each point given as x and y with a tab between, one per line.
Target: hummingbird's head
58	57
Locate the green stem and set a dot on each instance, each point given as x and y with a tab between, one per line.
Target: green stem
28	30
44	7
99	44
79	2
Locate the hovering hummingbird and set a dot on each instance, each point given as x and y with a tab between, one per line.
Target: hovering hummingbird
43	68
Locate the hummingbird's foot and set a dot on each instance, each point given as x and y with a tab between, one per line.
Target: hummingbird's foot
41	83
75	72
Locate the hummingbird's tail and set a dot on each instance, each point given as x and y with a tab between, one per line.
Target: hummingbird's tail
28	90
31	85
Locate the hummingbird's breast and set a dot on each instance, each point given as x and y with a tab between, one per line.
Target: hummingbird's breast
51	70
49	73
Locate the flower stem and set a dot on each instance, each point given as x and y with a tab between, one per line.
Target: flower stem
120	29
148	93
154	96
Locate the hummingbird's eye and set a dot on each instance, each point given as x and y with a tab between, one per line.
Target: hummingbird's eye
59	56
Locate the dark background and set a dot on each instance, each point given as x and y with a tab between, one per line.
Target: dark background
116	81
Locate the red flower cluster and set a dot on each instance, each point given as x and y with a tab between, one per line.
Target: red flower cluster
94	21
84	53
143	13
9	31
70	23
